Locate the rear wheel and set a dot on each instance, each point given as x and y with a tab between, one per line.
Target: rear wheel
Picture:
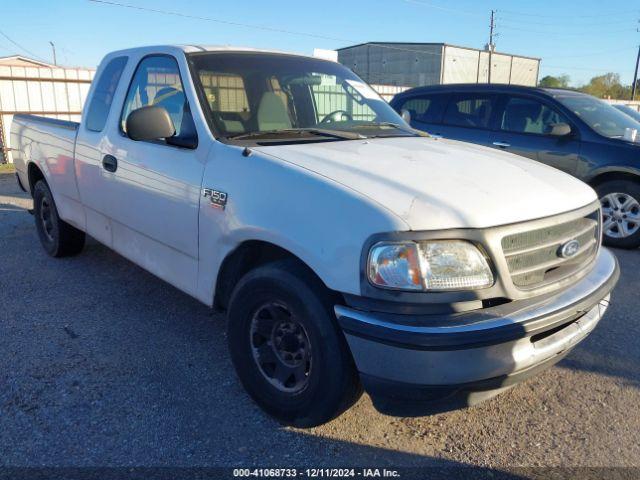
620	201
288	351
58	238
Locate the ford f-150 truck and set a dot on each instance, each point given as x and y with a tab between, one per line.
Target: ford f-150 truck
348	251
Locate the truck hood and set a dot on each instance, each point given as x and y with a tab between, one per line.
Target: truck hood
439	184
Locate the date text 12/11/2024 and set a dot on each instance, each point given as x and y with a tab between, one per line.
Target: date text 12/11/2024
316	473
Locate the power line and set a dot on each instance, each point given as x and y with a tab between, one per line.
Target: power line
217	20
261	27
280	30
588	69
445	9
599	15
38	57
247	25
593	54
599	32
563	23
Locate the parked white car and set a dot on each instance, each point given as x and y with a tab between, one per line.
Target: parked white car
346	249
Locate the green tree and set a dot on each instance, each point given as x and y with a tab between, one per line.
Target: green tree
607	85
555	82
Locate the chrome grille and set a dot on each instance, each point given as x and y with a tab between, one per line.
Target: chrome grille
534	257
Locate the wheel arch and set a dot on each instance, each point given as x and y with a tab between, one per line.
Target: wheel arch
245	257
602	176
34	174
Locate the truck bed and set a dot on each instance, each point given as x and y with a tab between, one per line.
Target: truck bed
50	144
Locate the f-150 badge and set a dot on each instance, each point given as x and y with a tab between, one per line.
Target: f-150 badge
218	199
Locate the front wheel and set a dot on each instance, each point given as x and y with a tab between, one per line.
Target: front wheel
286	347
620	201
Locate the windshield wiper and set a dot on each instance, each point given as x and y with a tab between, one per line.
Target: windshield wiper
397	126
342	135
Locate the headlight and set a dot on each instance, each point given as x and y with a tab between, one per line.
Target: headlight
431	265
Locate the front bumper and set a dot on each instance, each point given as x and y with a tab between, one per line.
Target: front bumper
466	357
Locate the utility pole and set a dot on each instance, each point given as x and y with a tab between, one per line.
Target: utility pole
53	47
492	25
635	77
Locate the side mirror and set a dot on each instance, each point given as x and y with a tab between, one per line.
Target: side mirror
406	115
559	130
149	123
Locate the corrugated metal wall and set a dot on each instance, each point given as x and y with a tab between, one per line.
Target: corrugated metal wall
500	68
51	92
398	64
525	71
460	65
413	65
463	65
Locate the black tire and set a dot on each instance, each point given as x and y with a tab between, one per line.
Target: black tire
331	384
630	189
58	238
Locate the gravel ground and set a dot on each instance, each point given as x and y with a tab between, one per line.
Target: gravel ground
103	364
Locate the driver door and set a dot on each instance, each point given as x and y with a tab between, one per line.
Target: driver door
154	191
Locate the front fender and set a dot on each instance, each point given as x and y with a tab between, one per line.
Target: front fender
323	223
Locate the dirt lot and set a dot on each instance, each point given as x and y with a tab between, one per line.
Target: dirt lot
103	364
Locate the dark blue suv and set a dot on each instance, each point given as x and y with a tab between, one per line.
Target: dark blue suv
574	132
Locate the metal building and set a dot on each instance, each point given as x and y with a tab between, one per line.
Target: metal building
31	86
417	64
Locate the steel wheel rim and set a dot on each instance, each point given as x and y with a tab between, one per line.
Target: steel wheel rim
46	218
280	348
620	215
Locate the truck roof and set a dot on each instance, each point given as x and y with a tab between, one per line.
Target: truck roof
198	48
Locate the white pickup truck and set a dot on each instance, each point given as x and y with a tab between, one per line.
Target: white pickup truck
347	250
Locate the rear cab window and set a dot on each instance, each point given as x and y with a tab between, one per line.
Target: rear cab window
471	110
226	96
100	105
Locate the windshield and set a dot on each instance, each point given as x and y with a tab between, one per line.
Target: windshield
283	97
635	114
599	115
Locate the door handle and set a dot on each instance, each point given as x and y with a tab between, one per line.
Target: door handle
110	163
502	144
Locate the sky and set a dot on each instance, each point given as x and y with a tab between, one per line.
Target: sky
578	38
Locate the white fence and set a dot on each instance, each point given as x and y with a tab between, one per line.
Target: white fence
48	91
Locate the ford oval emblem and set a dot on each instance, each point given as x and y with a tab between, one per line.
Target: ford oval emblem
570	248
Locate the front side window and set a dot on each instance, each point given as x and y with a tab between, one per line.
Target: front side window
599	115
272	96
528	115
469	110
157	82
100	105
